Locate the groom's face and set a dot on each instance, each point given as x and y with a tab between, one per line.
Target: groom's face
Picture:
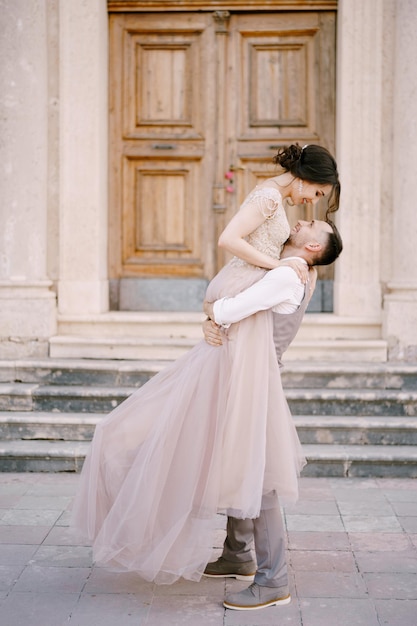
304	232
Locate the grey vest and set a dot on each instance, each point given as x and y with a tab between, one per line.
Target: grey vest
287	325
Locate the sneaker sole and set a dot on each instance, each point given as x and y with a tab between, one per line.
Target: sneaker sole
264	605
247	577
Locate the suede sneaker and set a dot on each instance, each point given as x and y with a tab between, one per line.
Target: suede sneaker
257	597
229	569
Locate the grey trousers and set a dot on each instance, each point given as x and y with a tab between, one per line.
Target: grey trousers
267	532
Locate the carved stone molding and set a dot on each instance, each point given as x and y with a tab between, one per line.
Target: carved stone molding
221	5
222	19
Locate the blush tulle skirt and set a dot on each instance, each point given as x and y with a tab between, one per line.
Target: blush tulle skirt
212	432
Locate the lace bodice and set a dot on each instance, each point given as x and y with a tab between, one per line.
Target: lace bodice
271	235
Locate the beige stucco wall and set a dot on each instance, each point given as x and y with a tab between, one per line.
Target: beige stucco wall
27	304
400	303
53	159
83	284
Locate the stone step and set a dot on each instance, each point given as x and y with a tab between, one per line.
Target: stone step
323	460
360	461
42	456
91	399
356	430
133	373
177	324
308	350
57	398
353	402
107	372
312	429
168	335
31	425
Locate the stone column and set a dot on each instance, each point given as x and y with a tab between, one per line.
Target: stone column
83	284
27	305
359	146
400	303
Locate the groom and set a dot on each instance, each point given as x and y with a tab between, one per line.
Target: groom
311	243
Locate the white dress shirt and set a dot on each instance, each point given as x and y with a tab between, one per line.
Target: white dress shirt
280	290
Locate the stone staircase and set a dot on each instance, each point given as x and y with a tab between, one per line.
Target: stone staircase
168	335
353	419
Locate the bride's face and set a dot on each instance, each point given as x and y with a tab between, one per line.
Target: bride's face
303	192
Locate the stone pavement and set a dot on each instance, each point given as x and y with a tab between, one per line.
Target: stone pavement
352	555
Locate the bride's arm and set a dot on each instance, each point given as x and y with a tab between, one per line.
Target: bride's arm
249	217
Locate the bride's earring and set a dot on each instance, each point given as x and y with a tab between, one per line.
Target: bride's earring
300	186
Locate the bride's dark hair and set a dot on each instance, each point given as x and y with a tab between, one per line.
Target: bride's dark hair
314	164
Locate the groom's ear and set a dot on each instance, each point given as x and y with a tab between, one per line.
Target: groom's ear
313	246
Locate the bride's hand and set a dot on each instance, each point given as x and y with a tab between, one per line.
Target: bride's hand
300	268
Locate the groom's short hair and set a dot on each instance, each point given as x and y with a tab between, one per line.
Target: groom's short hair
332	247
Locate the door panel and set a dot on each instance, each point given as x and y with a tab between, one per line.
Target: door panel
160	227
161	122
283	68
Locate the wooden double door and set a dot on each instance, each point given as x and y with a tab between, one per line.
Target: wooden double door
199	103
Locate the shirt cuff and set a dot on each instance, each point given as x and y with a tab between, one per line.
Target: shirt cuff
217	312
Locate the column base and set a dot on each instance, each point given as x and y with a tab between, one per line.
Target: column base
76	297
400	323
28	318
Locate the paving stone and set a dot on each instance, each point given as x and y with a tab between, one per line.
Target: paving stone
64	519
8	501
184	611
63	556
397	612
393	585
330	585
409	524
350	492
55	489
405	509
330	523
29	608
12	488
9	575
38	579
405	561
340	612
312	507
65	536
402	495
110	610
303	540
374	542
50	502
322	561
12	554
103	580
316	488
209	587
366	524
355	508
29	517
17	534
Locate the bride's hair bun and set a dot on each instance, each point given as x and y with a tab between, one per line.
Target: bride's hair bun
288	156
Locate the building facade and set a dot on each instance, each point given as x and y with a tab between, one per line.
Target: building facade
77	161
